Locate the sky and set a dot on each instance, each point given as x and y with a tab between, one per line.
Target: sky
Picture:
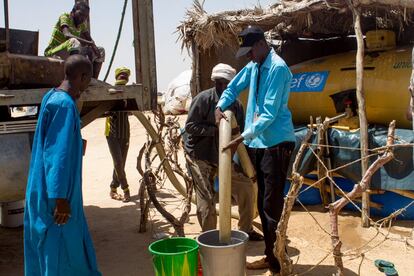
41	15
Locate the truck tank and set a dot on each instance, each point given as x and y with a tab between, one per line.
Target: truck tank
323	86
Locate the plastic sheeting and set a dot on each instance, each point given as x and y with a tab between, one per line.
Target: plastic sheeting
396	174
178	96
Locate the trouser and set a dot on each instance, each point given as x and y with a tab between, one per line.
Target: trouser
64	50
242	190
119	151
271	171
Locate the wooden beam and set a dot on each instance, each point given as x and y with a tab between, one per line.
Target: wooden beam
144	44
95	113
92	94
361	106
6	24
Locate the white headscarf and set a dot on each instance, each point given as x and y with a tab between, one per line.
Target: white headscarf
223	71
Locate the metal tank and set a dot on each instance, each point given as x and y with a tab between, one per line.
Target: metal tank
322	86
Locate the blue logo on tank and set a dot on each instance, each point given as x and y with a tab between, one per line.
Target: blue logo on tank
309	81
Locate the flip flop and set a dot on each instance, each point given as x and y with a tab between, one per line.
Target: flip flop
387	267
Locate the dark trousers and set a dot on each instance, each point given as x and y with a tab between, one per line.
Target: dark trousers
271	168
119	151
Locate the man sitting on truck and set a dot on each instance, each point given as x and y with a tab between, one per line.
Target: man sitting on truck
71	35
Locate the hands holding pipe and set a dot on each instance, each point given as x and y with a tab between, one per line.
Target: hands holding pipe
233	144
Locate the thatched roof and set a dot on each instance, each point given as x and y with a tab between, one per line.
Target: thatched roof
292	19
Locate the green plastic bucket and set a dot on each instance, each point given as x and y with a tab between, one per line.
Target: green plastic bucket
175	257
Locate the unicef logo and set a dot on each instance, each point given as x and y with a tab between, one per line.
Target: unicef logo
309	81
314	80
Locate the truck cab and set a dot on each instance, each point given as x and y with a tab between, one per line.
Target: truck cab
25	77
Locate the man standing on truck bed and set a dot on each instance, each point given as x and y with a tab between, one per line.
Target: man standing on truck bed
71	35
56	235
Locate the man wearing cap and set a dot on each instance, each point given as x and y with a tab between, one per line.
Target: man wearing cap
201	144
268	133
117	136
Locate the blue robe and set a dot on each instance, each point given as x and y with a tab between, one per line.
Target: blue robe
56	172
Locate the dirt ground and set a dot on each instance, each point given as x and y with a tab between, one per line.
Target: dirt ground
122	251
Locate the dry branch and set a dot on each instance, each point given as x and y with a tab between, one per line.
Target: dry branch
281	237
356	192
166	136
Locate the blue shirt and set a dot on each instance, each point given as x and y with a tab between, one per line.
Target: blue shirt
56	172
268	119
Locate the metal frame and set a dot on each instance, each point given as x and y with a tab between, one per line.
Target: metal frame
144	92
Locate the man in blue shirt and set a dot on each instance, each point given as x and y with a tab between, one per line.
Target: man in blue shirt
268	133
56	236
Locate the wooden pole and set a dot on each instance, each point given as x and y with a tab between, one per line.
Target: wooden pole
6	24
225	179
195	78
411	88
144	44
356	11
321	169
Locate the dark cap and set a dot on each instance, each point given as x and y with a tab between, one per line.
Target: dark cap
247	38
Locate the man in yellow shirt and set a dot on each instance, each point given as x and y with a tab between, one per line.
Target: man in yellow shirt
117	135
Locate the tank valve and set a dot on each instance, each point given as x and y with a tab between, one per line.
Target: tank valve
348	109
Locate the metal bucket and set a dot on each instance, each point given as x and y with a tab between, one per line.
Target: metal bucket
12	213
223	259
15	152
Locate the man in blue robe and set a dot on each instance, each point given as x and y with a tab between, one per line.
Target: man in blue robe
56	236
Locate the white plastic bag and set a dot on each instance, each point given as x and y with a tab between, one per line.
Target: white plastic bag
178	96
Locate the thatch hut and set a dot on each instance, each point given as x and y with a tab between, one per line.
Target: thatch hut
299	29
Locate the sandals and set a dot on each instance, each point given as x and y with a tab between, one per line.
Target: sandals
387	267
114	194
127	196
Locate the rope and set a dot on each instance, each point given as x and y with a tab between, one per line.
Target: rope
117	39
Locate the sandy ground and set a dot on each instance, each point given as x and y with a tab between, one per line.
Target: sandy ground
121	250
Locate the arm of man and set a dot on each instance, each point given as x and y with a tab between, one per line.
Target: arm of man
86	35
196	123
271	104
64	22
57	153
239	83
68	35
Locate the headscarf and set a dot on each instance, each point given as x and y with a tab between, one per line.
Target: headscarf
223	71
120	70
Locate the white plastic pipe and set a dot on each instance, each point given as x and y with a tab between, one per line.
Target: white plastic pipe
247	166
225	179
